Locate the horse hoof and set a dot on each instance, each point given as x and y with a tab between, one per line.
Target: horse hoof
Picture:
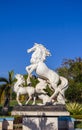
20	104
33	104
26	103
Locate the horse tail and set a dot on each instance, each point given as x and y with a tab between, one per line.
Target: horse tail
63	85
60	88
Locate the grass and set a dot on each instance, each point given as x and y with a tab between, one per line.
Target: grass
17	126
14	102
77	116
78	124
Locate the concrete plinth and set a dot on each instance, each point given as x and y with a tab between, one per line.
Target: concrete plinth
1	121
43	117
6	123
40	123
34	110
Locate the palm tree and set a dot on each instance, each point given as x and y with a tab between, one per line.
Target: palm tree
6	85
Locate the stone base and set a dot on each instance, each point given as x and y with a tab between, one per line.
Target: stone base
34	110
43	117
40	123
1	121
6	123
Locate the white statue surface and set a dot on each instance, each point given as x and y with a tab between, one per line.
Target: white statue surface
46	76
19	89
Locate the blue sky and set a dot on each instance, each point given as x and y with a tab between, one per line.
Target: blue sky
57	24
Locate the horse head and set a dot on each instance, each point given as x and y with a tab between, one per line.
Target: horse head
40	53
19	78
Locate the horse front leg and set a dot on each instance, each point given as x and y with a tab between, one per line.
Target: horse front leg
28	69
17	98
34	100
30	97
31	49
31	68
28	79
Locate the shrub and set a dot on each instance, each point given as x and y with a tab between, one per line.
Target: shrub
74	108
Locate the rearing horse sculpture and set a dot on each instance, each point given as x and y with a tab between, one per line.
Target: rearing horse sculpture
37	64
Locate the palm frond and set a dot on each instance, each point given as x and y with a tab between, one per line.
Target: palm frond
11	76
2	79
2	89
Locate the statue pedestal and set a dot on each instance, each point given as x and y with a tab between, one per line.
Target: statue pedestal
1	120
6	123
43	117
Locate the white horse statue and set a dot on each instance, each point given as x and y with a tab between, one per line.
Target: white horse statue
58	96
46	77
19	89
39	89
37	64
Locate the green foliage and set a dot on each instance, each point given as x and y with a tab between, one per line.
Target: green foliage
78	124
72	70
74	108
48	90
13	103
5	86
33	80
13	95
77	116
74	92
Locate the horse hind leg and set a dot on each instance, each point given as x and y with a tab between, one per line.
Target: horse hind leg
17	98
34	100
54	86
28	79
30	97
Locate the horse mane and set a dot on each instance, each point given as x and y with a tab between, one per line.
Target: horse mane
42	52
19	77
